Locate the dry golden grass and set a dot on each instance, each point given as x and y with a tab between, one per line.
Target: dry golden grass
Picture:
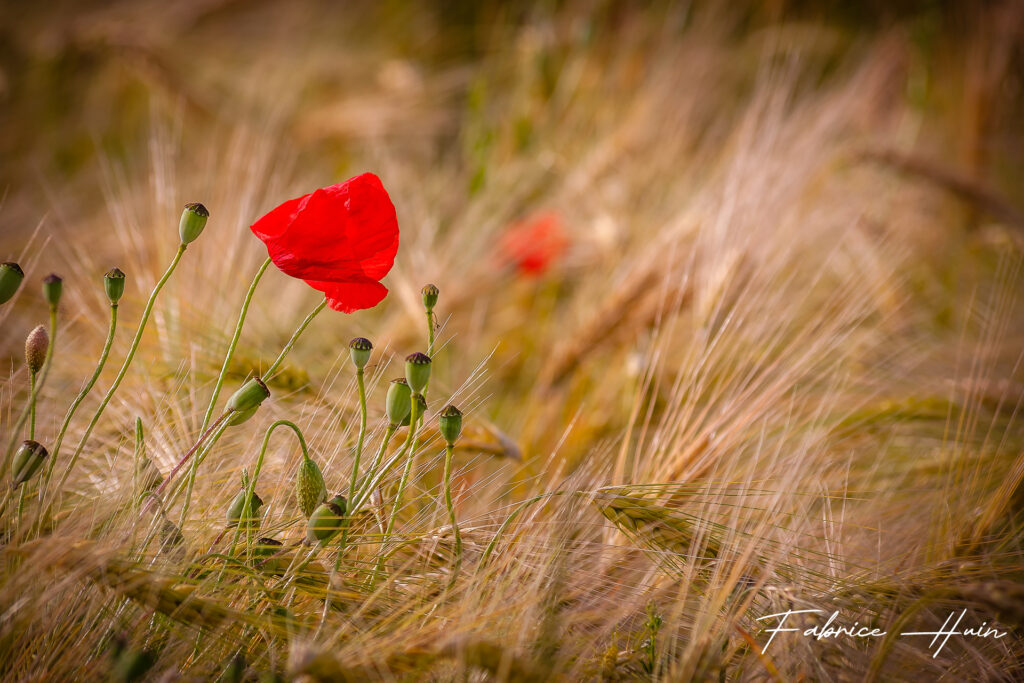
777	368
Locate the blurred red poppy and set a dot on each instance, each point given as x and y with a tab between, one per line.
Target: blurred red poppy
340	239
534	244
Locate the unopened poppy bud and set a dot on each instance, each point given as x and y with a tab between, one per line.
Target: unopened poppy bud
53	287
430	293
113	282
27	461
11	276
417	371
450	423
360	349
235	510
36	345
249	397
399	401
421	409
326	520
309	486
193	220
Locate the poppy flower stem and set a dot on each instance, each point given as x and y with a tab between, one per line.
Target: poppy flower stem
234	343
218	428
408	450
295	337
451	508
362	433
31	405
104	354
127	361
35	388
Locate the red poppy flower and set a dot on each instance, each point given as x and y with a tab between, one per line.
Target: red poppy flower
340	239
533	245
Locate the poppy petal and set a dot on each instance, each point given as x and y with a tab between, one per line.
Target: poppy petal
349	297
348	231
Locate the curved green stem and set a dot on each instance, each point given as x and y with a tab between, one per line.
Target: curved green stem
234	343
291	342
31	405
128	359
362	433
451	507
104	354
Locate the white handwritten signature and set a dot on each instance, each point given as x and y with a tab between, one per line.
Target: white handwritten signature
832	629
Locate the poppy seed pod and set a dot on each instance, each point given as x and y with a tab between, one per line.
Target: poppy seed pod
417	371
399	401
450	423
53	287
421	409
193	220
113	283
241	416
430	293
326	520
27	461
263	556
11	276
36	345
249	396
236	508
309	486
360	349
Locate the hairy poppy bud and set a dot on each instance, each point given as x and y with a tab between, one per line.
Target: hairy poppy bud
417	371
53	287
235	510
430	293
249	397
263	556
113	282
309	486
399	401
193	220
36	345
360	349
11	276
27	461
450	423
326	520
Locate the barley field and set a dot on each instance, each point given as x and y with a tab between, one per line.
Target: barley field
727	296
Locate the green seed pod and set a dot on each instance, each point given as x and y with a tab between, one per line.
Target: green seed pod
326	520
450	423
193	220
36	345
249	396
234	514
399	401
421	409
27	461
113	282
309	486
417	371
53	287
242	416
263	556
430	293
11	276
360	349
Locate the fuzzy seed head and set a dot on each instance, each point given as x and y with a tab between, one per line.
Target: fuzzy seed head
309	486
36	345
